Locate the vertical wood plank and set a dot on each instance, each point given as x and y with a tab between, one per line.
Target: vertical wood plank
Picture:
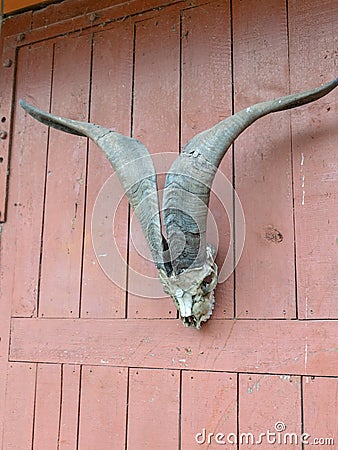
209	405
69	407
63	231
19	409
265	401
206	100
22	239
47	407
265	285
103	408
7	73
153	409
110	107
313	61
320	407
8	57
155	124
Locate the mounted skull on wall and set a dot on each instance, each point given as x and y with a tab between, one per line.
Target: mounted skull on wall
185	261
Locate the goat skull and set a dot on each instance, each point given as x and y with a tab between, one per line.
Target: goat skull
189	275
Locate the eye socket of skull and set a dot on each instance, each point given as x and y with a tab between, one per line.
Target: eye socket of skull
209	282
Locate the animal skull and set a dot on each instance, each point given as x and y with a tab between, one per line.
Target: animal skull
189	275
193	290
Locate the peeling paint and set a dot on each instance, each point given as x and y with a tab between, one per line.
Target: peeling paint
285	377
303	179
256	387
306	307
306	354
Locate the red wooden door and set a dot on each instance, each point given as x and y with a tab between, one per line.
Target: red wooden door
86	364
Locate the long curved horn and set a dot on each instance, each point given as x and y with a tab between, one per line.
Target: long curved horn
192	174
133	165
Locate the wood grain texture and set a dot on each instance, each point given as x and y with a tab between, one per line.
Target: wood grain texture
110	107
70	9
154	408
8	66
153	413
206	99
320	407
155	124
209	402
14	5
66	174
7	72
5	304
313	61
70	396
19	408
266	401
47	407
226	345
62	22
103	408
265	285
22	241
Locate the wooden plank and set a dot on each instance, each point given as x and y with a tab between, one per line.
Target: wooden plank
155	124
7	72
103	408
153	413
110	107
15	5
209	408
313	61
69	407
18	279
19	410
206	99
101	18
320	409
265	285
47	407
270	404
70	9
22	240
271	346
63	230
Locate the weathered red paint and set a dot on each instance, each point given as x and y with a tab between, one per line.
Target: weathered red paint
110	107
226	345
270	407
69	407
153	412
103	407
25	205
156	124
207	77
47	406
265	274
65	185
98	371
21	398
208	412
315	162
